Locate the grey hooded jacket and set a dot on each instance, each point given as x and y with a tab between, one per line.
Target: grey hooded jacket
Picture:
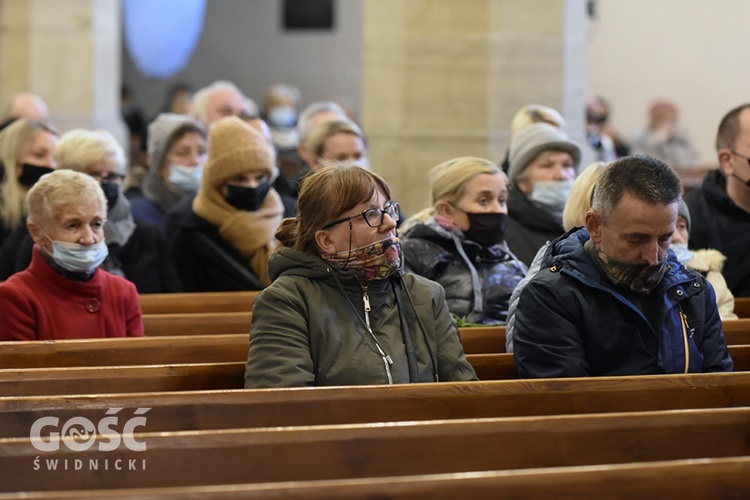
309	329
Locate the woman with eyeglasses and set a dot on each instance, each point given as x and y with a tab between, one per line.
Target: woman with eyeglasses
135	248
340	310
460	240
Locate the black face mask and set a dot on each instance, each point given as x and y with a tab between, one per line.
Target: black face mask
112	193
30	174
487	228
245	198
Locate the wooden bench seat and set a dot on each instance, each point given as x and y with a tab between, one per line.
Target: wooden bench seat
159	325
338	405
206	302
382	450
742	307
667	479
205	376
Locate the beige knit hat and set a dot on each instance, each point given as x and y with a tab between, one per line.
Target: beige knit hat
533	140
234	147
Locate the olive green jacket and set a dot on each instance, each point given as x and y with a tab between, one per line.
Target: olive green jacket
309	328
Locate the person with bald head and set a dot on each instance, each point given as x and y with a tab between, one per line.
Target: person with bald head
26	105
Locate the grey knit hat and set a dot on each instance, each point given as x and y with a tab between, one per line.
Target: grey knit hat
527	144
161	131
685	212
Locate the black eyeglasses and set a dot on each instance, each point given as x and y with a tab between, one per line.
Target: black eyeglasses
743	157
114	178
374	217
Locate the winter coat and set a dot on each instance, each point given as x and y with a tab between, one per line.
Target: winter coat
529	226
717	222
573	321
309	328
204	261
709	263
478	281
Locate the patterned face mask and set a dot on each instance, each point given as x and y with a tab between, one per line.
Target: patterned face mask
375	261
639	278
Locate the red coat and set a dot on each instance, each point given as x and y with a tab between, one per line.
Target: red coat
40	304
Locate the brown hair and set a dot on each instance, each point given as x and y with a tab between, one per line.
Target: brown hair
729	128
324	196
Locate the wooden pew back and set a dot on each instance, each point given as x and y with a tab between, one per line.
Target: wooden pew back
377	450
206	302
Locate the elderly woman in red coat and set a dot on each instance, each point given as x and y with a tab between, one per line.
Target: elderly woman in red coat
63	294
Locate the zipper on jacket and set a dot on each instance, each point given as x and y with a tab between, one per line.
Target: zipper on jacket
387	361
685	329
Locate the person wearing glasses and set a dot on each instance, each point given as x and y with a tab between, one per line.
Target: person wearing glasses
720	208
223	238
340	309
136	249
460	240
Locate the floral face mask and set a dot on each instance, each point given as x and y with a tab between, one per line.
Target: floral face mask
375	261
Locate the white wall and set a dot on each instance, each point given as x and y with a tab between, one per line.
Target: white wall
692	51
243	41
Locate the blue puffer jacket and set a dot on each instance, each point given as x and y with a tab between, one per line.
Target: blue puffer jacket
573	322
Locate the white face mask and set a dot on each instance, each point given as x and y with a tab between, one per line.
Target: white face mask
551	194
186	179
79	258
682	252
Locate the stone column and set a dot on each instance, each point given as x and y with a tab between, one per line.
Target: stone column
68	52
443	78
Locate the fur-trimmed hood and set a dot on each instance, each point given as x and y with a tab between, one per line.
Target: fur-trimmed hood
707	260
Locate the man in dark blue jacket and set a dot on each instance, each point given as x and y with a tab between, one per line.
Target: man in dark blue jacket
613	299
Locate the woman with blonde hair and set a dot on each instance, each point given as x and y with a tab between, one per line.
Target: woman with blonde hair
26	153
340	311
336	139
460	240
573	217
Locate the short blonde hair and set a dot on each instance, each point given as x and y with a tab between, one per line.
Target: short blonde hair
59	188
79	149
581	195
316	139
448	182
14	141
536	113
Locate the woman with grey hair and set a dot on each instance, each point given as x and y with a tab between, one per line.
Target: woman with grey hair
63	294
136	248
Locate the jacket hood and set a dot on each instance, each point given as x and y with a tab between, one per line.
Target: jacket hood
707	260
714	187
287	261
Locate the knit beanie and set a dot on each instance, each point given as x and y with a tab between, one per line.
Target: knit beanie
234	147
535	139
685	212
161	131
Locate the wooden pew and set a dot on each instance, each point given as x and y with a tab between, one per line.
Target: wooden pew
171	411
378	450
205	376
666	480
210	348
125	351
207	302
742	307
159	325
